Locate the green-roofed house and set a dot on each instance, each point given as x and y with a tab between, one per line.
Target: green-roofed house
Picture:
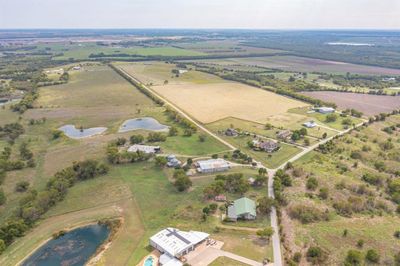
243	208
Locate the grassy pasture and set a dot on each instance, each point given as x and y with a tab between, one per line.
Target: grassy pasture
82	51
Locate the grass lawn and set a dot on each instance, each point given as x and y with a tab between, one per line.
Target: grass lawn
82	51
321	119
270	160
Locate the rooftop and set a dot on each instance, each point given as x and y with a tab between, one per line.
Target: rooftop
174	241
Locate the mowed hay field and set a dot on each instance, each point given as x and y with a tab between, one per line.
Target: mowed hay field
208	98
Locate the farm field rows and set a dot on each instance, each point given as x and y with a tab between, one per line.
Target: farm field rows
304	64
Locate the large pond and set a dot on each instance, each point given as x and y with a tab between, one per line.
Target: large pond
75	133
76	247
146	123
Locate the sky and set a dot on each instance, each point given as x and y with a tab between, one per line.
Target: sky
248	14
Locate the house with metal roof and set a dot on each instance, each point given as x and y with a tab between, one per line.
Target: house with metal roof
243	208
174	244
212	166
144	148
325	110
310	124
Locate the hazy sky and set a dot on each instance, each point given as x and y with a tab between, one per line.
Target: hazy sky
261	14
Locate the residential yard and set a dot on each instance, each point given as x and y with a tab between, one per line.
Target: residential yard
270	160
222	261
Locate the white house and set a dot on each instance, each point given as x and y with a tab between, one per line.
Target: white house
310	124
325	110
144	148
174	244
212	165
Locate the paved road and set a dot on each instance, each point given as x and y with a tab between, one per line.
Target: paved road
178	110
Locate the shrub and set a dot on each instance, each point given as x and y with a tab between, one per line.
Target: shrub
331	118
323	193
353	258
156	137
316	255
2	197
307	213
136	139
372	256
312	183
22	186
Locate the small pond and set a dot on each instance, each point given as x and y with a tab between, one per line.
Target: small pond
146	123
75	133
75	248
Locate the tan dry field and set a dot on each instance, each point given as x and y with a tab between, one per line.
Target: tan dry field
211	102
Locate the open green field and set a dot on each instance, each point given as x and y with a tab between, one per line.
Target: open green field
82	51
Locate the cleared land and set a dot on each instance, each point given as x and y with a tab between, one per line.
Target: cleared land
366	103
208	98
304	64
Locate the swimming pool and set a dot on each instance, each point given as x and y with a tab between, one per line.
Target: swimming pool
148	261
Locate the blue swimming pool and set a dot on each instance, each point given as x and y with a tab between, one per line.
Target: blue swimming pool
148	261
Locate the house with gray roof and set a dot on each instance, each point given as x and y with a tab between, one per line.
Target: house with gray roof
242	209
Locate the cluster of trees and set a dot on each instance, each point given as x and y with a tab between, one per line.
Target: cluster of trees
26	102
189	127
281	180
327	147
391	129
355	257
299	134
11	131
233	183
156	137
352	112
241	157
182	181
115	156
36	203
307	213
